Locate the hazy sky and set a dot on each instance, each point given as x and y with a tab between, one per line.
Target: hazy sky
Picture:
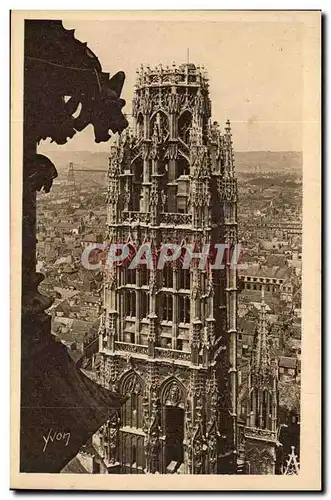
255	72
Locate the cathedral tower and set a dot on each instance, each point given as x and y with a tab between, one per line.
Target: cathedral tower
168	336
261	427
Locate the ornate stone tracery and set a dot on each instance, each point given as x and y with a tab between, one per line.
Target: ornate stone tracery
171	192
130	383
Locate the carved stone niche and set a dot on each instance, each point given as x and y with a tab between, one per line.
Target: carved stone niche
172	394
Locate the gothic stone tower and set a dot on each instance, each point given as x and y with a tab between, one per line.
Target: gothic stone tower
260	433
168	337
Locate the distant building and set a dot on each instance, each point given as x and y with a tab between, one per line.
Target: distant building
271	279
288	368
91	238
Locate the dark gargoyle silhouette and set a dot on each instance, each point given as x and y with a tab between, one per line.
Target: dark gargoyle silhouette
62	77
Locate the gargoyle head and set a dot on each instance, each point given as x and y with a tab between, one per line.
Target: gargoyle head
40	172
104	109
108	109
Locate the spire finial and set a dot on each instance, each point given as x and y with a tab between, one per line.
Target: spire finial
188	55
292	464
261	363
263	313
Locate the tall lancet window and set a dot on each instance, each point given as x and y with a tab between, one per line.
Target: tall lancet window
162	121
137	170
184	309
132	388
184	126
183	166
140	126
265	411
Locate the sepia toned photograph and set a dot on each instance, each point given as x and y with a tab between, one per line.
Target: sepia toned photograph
165	196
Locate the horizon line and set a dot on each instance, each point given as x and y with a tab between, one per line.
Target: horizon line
235	150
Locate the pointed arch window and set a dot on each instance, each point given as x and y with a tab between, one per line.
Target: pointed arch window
162	121
184	126
132	410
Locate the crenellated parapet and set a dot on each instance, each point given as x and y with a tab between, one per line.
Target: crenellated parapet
171	90
186	74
